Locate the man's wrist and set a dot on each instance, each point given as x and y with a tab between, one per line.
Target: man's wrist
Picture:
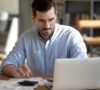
9	70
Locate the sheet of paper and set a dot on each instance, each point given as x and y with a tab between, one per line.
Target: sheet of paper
12	84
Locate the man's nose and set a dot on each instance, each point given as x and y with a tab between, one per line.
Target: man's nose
47	24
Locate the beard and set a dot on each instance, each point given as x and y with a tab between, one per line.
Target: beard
46	33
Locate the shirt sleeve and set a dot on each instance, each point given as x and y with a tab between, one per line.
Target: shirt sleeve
17	55
77	46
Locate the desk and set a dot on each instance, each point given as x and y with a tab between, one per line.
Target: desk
1	56
2	77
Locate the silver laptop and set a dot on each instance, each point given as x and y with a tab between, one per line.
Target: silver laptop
77	74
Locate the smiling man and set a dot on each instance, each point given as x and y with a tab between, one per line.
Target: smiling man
43	43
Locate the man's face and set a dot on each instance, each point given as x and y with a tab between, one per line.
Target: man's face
45	23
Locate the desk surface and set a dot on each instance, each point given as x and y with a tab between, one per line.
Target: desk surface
1	56
2	77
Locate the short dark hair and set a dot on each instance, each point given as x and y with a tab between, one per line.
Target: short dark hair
42	5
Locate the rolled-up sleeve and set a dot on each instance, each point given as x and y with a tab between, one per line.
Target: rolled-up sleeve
17	55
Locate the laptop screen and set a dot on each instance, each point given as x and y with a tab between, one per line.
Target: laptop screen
77	74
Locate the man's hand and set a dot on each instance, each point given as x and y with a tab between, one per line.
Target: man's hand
16	72
23	71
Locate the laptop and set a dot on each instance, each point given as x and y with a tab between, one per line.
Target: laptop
76	74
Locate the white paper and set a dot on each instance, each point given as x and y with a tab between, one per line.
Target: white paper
12	84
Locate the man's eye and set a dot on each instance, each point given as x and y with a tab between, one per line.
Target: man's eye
51	19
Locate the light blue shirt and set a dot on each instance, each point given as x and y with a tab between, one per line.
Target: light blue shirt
66	42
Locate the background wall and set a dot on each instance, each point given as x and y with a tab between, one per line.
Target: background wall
11	6
25	21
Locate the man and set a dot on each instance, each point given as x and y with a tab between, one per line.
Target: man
43	44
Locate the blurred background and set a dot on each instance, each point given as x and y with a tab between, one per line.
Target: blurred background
84	15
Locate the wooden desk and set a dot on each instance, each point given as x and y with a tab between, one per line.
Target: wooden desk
2	77
1	56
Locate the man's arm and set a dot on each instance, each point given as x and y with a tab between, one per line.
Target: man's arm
77	46
16	72
14	59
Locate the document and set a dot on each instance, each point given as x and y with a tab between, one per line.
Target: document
12	84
